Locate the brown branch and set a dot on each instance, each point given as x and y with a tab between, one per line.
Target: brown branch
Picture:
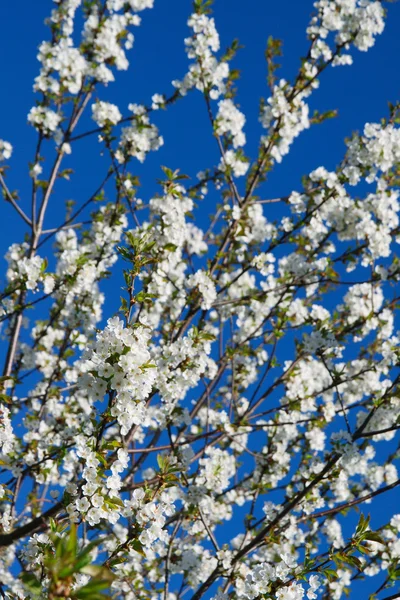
360	500
41	522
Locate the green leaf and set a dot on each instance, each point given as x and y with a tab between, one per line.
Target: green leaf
363	524
171	247
137	546
82	562
351	560
93	544
101	459
99	571
91	589
363	549
5	398
31	583
168	172
111	445
114	501
373	536
330	574
72	544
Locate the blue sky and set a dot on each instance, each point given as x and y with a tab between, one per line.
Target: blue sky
360	93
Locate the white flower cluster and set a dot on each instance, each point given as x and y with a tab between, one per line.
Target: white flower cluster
105	113
371	220
5	150
234	162
288	114
259	580
63	15
30	271
6	520
180	366
139	138
157	101
150	516
65	67
172	234
354	21
77	298
119	364
230	120
320	341
32	552
7	437
106	38
171	209
362	302
44	119
264	263
206	73
98	503
257	228
383	418
217	469
92	504
205	286
135	5
377	150
64	60
85	263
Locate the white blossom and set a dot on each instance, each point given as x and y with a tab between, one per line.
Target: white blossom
5	150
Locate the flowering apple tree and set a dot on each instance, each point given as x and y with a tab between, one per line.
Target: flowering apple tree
223	435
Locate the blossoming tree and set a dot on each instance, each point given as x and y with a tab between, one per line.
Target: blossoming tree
223	435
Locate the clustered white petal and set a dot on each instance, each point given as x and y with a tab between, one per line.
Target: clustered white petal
5	150
244	400
206	73
104	113
139	138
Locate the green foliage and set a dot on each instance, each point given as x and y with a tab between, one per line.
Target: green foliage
272	52
202	7
64	559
